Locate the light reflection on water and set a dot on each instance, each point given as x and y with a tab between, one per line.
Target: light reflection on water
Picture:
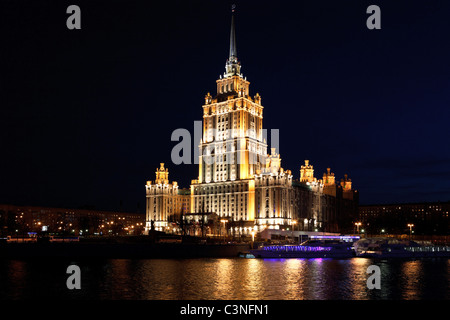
226	279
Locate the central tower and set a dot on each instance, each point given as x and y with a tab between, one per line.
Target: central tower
232	148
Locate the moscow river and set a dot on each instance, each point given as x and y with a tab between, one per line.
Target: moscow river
226	279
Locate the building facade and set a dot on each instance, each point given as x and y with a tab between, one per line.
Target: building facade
63	221
427	218
238	180
274	194
165	202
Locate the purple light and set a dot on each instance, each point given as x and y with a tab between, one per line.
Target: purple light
336	237
296	248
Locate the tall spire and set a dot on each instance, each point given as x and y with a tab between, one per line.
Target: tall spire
233	51
232	67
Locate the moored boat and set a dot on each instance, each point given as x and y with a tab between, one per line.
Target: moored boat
316	247
394	248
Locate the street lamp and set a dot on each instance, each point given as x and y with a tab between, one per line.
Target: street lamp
224	228
253	237
410	225
294	222
357	224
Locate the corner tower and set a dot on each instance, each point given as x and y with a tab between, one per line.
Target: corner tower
160	200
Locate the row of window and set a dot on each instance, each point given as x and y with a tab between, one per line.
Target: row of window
222	189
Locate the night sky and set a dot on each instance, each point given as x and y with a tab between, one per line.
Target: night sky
87	115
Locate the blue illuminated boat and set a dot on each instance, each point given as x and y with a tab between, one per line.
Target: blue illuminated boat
338	247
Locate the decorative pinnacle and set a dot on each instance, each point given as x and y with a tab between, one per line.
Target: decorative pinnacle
232	66
233	51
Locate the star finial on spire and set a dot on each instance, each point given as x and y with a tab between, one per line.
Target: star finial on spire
232	66
233	51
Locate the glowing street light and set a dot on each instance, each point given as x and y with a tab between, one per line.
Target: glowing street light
294	222
357	224
224	228
253	237
410	225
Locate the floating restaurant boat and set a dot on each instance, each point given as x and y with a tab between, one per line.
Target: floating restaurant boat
316	247
394	248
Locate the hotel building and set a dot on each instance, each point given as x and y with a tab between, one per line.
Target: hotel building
238	180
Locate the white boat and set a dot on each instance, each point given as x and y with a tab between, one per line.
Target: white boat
395	248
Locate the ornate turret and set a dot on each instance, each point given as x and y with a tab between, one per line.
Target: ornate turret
329	183
273	163
329	178
346	185
162	175
307	172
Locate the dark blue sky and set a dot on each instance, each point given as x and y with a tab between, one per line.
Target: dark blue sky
87	115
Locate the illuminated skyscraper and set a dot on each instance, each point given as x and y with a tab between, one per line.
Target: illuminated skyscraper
232	148
237	180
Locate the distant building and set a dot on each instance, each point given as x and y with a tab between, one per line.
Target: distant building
427	217
23	219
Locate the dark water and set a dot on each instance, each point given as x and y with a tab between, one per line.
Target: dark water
226	279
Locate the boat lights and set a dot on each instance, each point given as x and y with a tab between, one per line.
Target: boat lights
297	248
343	238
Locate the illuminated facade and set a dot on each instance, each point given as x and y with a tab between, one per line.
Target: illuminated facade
164	200
237	179
232	146
274	194
18	220
428	218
